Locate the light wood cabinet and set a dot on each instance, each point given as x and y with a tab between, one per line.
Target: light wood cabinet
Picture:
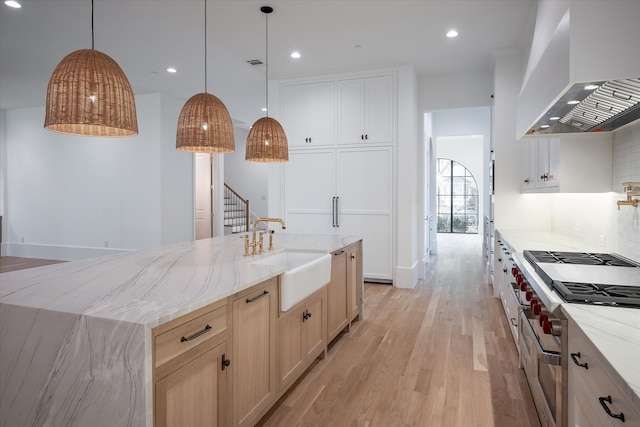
194	394
302	337
308	114
254	348
344	291
596	397
337	318
366	110
354	280
190	369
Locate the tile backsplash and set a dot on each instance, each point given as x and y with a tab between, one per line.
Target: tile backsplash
594	218
626	167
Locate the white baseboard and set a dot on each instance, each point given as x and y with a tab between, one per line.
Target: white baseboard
407	277
57	252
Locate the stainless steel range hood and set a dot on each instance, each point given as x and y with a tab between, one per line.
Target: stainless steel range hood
592	107
577	56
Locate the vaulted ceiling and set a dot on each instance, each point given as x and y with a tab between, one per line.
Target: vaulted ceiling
146	37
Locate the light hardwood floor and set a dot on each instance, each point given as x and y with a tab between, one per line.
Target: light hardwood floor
439	355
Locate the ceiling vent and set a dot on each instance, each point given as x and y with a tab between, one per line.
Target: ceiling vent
255	62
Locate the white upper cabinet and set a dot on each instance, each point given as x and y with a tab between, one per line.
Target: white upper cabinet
366	110
569	164
308	114
540	163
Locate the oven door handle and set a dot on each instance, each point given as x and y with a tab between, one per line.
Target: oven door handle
543	356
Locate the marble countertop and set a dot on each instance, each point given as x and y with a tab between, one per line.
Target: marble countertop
75	337
152	286
614	331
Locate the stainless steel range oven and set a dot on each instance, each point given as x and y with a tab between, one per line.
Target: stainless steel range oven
546	279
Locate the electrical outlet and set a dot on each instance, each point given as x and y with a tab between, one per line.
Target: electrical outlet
602	241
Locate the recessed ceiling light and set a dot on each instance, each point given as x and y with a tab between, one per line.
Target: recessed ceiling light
554	118
590	87
13	4
295	55
544	126
264	109
171	70
573	102
452	33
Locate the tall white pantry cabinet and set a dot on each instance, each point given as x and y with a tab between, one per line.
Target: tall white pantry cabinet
340	174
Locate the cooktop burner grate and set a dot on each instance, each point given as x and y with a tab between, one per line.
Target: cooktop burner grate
582	258
592	293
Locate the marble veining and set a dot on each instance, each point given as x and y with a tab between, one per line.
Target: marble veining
76	337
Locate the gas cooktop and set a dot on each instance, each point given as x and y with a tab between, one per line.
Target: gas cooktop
589	278
580	258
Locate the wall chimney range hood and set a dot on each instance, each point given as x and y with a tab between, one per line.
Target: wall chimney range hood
583	71
592	107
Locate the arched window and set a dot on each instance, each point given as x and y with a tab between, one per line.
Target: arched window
457	198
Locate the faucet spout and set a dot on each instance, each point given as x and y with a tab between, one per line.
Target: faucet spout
257	220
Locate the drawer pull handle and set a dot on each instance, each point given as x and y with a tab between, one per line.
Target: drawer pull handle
258	297
603	402
575	357
196	335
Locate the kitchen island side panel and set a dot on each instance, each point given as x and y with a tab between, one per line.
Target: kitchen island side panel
64	369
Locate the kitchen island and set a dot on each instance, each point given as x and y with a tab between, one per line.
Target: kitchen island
76	338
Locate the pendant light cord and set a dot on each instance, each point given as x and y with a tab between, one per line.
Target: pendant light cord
92	44
205	46
266	59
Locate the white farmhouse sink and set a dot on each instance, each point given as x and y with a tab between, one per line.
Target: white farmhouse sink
306	272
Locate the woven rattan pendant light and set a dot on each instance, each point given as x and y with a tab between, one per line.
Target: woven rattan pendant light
204	124
89	95
267	141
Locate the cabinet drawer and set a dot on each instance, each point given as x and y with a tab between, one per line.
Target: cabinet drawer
188	334
599	381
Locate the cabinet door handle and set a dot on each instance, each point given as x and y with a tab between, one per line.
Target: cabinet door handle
333	211
225	362
362	137
338	253
353	256
366	136
196	335
258	297
575	357
337	211
513	322
603	402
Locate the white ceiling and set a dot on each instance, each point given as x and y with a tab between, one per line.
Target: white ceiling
147	36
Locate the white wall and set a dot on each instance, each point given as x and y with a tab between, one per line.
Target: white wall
70	197
448	91
249	179
512	210
408	209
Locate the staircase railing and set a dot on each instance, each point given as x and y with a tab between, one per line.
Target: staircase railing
236	210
